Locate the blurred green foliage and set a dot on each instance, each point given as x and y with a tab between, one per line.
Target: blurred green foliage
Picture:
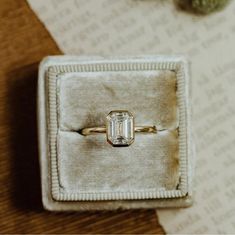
208	6
203	6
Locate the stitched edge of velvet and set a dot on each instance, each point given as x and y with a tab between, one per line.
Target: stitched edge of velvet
119	65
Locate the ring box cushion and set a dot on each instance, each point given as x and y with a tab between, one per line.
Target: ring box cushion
81	172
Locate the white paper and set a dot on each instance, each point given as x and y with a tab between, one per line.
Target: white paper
100	27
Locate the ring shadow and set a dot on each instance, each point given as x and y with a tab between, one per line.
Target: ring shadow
25	180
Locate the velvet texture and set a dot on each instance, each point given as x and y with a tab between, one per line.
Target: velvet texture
86	173
90	164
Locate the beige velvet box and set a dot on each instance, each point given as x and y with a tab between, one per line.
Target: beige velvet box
87	173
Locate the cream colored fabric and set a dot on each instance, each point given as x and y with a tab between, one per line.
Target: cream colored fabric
81	173
90	164
86	98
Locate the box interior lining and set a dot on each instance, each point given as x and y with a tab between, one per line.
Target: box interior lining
88	168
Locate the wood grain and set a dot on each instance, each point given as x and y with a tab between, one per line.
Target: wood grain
23	43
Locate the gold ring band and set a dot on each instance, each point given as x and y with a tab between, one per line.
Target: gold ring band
120	129
101	130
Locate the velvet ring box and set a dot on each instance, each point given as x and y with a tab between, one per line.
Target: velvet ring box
87	173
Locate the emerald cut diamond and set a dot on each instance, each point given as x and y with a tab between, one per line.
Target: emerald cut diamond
120	128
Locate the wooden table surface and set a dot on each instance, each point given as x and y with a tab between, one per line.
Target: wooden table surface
23	43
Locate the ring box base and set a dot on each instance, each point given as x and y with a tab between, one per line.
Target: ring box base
80	173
